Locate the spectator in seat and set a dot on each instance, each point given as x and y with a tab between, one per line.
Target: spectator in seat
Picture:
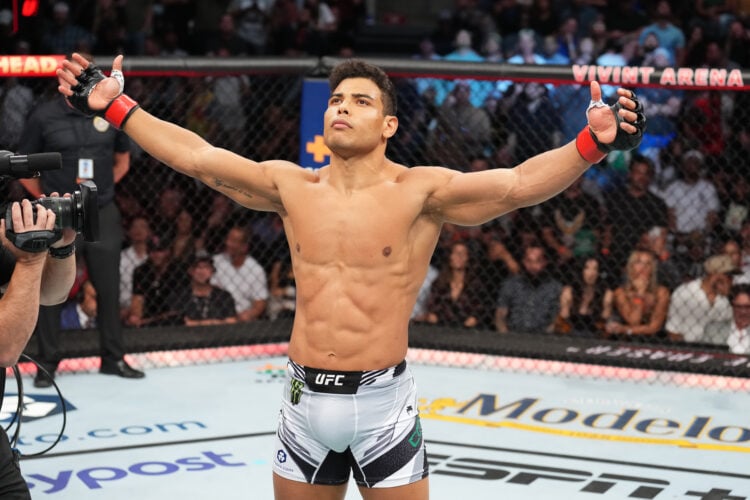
633	211
573	226
735	332
736	208
132	256
184	241
163	222
731	247
496	263
80	313
251	18
463	130
669	36
529	301
664	106
745	248
739	335
641	303
668	273
464	51
701	301
693	203
216	226
241	275
534	120
62	35
202	304
586	303
456	296
153	283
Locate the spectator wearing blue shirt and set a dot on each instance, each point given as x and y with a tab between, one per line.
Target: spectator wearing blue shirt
670	36
80	313
464	52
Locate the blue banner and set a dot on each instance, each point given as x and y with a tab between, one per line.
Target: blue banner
312	152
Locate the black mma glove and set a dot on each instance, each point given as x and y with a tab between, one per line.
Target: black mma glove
87	80
117	111
623	140
594	151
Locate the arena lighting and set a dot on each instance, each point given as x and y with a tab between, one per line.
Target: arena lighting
30	7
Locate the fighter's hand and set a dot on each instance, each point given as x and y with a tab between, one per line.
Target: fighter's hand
86	87
616	127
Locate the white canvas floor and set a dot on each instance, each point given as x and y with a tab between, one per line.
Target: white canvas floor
207	431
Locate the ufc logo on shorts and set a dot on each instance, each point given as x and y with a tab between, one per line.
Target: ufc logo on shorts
329	379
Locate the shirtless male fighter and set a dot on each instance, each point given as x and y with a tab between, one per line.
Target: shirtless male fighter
361	232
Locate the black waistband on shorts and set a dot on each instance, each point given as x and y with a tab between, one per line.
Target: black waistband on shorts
343	382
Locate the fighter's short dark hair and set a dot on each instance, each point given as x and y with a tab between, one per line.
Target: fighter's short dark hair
356	68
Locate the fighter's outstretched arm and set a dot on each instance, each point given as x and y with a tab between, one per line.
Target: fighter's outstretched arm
250	183
474	198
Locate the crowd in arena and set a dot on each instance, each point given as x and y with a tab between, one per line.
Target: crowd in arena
649	245
581	31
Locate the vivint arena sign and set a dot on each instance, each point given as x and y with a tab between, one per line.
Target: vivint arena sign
45	65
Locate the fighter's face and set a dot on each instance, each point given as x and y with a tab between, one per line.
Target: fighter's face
354	120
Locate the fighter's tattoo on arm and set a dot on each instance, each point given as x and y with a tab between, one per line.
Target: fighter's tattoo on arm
220	183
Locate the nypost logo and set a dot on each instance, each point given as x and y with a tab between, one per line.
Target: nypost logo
97	478
35	407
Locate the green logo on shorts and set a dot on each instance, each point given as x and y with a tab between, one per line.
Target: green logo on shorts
296	391
416	436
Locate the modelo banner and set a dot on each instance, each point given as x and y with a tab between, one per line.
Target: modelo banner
312	152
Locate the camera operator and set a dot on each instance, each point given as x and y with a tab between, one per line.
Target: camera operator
27	279
90	149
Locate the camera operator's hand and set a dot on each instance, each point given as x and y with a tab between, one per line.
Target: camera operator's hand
22	215
68	235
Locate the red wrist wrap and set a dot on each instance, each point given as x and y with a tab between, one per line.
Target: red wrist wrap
119	110
587	147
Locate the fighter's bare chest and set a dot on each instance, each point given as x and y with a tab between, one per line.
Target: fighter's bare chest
357	229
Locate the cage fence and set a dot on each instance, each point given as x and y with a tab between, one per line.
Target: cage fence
690	176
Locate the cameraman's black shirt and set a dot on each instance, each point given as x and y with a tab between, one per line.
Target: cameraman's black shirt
7	265
55	127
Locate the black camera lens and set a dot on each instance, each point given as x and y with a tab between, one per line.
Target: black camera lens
66	211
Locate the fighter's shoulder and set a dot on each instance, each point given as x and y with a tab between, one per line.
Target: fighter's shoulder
283	169
428	174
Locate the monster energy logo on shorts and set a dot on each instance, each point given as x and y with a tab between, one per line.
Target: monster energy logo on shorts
416	436
296	391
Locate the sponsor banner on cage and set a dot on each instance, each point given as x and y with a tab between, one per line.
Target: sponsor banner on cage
313	153
666	77
26	66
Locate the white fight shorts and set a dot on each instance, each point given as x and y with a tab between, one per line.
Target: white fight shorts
335	422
